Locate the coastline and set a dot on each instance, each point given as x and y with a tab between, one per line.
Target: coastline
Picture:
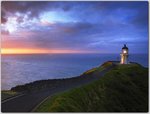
27	69
36	92
54	83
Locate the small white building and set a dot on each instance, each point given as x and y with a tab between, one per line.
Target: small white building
124	55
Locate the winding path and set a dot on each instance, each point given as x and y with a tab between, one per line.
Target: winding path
27	102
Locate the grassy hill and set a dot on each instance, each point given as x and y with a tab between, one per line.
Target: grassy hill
122	89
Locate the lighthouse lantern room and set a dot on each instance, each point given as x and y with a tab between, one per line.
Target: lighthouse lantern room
124	55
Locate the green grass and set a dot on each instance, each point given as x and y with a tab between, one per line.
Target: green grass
123	89
90	71
5	94
101	68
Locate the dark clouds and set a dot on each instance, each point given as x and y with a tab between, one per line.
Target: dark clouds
93	25
65	35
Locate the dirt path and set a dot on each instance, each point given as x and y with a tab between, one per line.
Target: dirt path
28	101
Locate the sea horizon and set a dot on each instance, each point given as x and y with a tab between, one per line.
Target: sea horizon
63	53
27	68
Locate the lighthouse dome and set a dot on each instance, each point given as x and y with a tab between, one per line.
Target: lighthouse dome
125	47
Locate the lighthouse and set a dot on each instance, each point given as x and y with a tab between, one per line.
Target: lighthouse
124	55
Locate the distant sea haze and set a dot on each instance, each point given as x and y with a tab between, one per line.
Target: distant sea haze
21	69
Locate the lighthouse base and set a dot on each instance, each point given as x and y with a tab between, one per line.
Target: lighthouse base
124	59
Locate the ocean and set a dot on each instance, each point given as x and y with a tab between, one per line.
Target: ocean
21	69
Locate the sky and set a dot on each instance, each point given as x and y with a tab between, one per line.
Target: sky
74	27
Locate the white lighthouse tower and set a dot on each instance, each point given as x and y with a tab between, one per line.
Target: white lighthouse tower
124	55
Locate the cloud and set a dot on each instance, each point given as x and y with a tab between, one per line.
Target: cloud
63	35
30	8
89	25
4	32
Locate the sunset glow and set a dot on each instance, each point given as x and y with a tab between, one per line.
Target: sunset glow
38	51
73	27
22	51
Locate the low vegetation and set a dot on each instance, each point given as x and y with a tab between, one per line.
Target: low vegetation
123	89
5	94
102	67
90	71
